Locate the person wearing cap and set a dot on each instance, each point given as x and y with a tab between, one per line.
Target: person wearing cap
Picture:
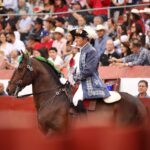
59	40
100	42
38	27
86	72
46	40
139	56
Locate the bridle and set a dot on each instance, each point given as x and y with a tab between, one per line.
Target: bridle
57	90
19	82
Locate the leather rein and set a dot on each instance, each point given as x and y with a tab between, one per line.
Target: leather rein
29	68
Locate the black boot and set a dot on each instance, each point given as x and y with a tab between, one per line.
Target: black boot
80	107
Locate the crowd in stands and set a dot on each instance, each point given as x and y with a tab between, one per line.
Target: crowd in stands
118	43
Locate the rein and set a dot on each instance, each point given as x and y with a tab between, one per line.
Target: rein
29	67
56	93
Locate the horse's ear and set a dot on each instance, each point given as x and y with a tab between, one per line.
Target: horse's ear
24	56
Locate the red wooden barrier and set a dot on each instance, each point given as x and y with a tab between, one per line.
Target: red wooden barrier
19	131
105	72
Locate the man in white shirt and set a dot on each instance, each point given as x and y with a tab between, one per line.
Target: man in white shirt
18	45
60	41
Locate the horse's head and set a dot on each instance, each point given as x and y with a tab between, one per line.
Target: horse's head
21	77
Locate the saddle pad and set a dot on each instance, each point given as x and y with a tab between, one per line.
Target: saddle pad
114	97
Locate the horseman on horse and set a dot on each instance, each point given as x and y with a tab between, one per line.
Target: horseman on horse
86	72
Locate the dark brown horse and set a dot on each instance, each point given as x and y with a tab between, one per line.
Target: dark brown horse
52	103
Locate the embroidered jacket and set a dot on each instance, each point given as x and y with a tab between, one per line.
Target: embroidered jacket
93	87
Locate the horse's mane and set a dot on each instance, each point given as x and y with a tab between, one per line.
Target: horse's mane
50	68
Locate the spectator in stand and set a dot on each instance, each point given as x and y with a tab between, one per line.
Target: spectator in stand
108	54
97	20
120	30
46	40
2	91
115	13
11	18
147	40
18	45
136	32
73	61
99	4
60	22
111	28
3	18
48	6
60	6
33	42
11	4
142	89
73	17
38	27
24	25
59	41
49	24
70	40
100	42
146	18
125	50
135	18
23	5
126	20
55	58
139	56
43	52
5	46
13	62
11	27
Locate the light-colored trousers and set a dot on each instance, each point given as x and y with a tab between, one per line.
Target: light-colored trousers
78	95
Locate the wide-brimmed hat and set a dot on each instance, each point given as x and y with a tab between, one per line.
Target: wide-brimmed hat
79	32
100	27
135	11
59	30
145	11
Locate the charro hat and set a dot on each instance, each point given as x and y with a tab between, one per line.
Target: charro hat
79	32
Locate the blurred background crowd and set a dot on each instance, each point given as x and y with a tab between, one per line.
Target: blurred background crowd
118	29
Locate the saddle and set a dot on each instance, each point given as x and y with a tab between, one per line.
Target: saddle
91	104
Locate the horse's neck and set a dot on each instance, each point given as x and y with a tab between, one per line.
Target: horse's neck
44	83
